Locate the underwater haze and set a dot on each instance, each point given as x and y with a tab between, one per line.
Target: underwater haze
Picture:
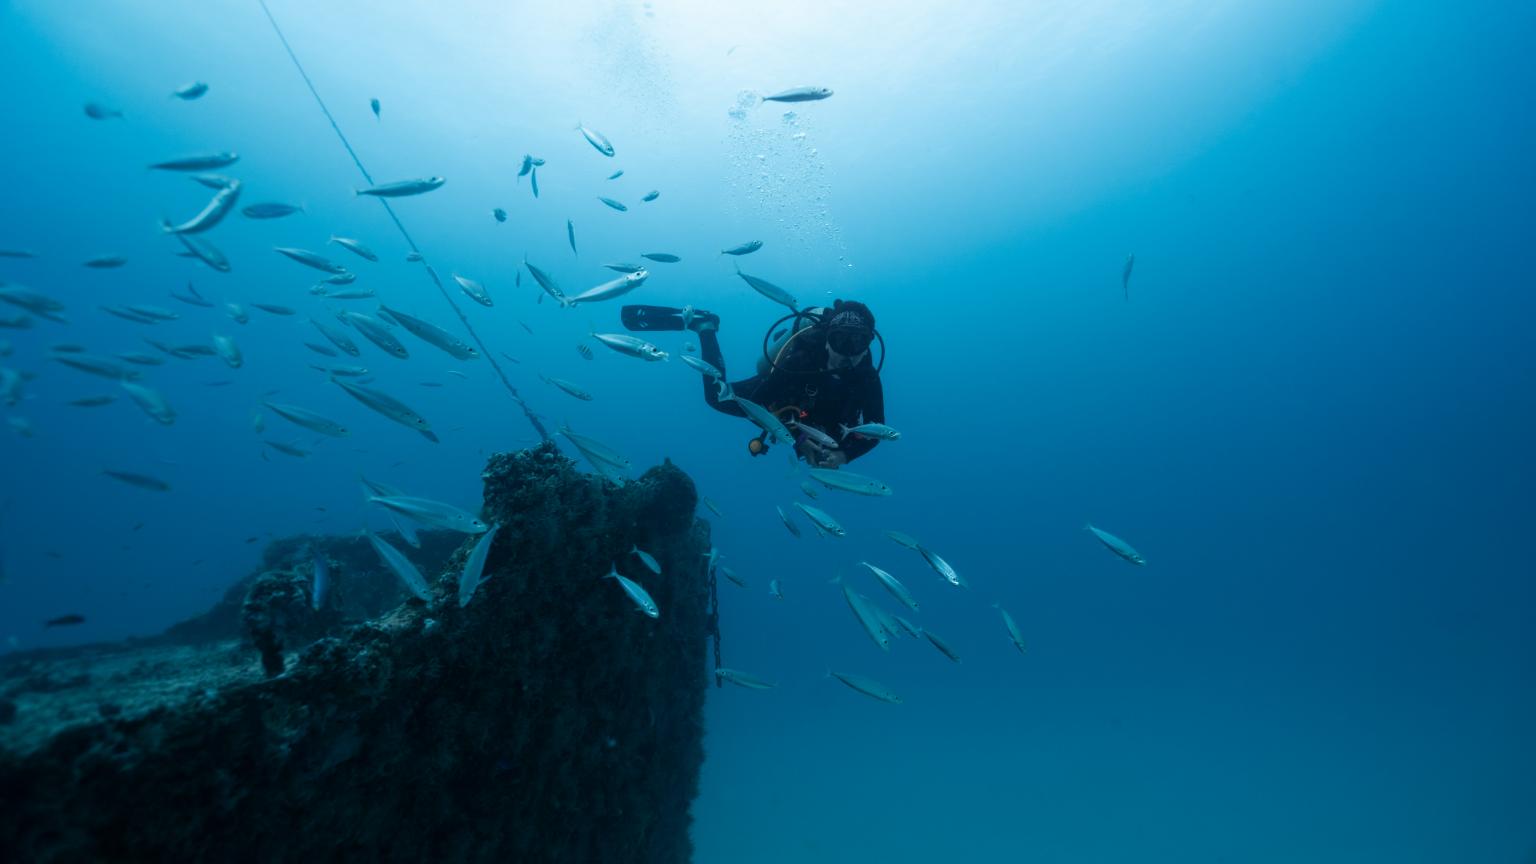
1310	402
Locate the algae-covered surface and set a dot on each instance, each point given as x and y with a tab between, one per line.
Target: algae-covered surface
548	720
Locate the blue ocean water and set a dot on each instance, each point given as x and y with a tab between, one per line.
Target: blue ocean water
1312	412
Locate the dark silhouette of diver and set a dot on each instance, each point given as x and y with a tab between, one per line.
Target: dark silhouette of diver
815	372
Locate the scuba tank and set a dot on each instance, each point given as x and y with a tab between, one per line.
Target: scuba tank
777	341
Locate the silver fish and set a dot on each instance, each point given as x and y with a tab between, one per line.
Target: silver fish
774	590
596	450
98	111
271	210
142	481
1116	545
373	105
376	332
702	367
815	434
646	558
474	289
809	490
866	617
663	257
432	334
206	252
474	566
336	337
635	592
944	647
596	139
95	365
33	301
356	246
764	418
568	387
287	449
200	162
570	234
402	567
159	313
1125	275
308	419
217	208
93	401
546	282
1013	628
129	315
800	94
848	481
713	507
151	402
106	262
871	430
139	359
310	259
320	349
770	290
610	289
402	188
822	520
893	585
942	567
631	346
744	249
625	268
228	351
650	196
793	529
433	513
743	679
389	406
274	310
612	203
188	92
213	181
616	175
868	686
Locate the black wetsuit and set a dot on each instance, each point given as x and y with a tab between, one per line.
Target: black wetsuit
825	397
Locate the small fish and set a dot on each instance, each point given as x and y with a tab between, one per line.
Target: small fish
907	627
358	248
866	616
1125	275
93	401
412	257
612	203
287	449
800	94
533	182
546	282
822	520
432	334
66	348
320	587
402	567
848	481
474	290
625	268
1013	628
402	188
94	365
214	181
570	235
159	313
743	679
271	210
374	104
204	251
499	214
702	367
349	294
635	592
942	567
526	167
228	351
645	558
320	349
650	196
1116	545
713	507
731	575
770	290
616	175
584	351
212	214
568	387
377	332
871	430
901	539
388	406
17	253
273	309
774	590
65	621
663	257
308	419
310	259
98	111
944	647
609	290
868	686
765	419
141	481
200	162
106	262
188	92
474	566
151	402
815	434
893	585
788	523
598	141
336	337
744	249
809	490
436	514
139	359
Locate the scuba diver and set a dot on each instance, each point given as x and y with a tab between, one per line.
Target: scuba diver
816	374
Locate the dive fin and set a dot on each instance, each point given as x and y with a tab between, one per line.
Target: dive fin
639	317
